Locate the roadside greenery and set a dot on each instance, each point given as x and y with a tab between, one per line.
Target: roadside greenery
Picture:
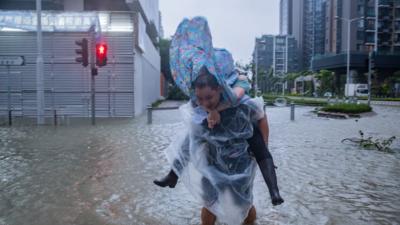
164	54
326	79
174	93
347	108
156	103
270	99
380	99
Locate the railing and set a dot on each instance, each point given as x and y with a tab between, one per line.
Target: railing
150	110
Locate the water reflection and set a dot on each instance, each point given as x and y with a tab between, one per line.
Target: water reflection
80	174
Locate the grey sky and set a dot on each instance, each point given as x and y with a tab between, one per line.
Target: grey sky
234	24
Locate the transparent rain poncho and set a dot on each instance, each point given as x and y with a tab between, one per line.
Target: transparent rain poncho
214	164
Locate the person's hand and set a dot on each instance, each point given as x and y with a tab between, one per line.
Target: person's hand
213	118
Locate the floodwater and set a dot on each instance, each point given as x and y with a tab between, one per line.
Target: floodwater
79	174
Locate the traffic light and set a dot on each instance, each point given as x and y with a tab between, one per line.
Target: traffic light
101	54
83	52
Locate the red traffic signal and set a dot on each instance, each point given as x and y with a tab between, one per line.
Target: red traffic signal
101	54
82	52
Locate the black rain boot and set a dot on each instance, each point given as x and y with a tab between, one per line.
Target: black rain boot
267	168
170	180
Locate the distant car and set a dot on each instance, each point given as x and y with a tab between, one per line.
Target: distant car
328	94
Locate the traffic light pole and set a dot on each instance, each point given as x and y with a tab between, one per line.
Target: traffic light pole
93	72
39	67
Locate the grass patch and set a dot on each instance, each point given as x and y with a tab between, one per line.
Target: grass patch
347	108
380	99
156	103
308	102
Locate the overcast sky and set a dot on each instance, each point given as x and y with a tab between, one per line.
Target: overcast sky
234	24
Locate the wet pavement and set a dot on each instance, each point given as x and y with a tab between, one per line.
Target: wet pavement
79	174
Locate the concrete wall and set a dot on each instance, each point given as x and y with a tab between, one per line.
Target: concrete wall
151	9
73	5
147	70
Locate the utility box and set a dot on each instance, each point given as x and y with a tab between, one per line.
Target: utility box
358	90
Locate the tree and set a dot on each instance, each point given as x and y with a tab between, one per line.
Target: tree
325	78
174	92
164	54
290	79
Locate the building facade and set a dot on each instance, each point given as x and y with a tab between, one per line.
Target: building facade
364	34
374	27
276	54
305	21
124	87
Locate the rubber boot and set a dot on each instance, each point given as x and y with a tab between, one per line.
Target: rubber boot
170	180
251	217
207	218
267	168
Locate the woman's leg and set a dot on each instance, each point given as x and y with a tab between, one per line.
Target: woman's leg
207	217
266	163
171	179
251	217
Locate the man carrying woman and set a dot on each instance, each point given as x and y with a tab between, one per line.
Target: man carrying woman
212	158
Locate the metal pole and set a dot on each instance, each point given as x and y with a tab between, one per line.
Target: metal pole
376	26
93	96
55	117
39	66
292	111
369	77
93	72
8	89
9	97
10	117
149	114
348	58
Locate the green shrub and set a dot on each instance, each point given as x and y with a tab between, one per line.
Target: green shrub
347	108
308	102
174	93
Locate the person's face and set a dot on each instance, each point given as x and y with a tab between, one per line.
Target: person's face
208	97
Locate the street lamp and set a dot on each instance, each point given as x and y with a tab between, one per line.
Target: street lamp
349	21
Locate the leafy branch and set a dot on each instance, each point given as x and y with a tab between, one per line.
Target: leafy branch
368	142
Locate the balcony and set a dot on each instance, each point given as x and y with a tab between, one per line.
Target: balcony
385	3
385	43
385	17
370	28
385	30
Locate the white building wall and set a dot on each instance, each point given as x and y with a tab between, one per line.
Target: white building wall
73	5
147	73
151	10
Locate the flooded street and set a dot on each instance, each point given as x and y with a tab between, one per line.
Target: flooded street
80	174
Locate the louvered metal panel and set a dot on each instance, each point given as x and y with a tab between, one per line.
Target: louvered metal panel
67	83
